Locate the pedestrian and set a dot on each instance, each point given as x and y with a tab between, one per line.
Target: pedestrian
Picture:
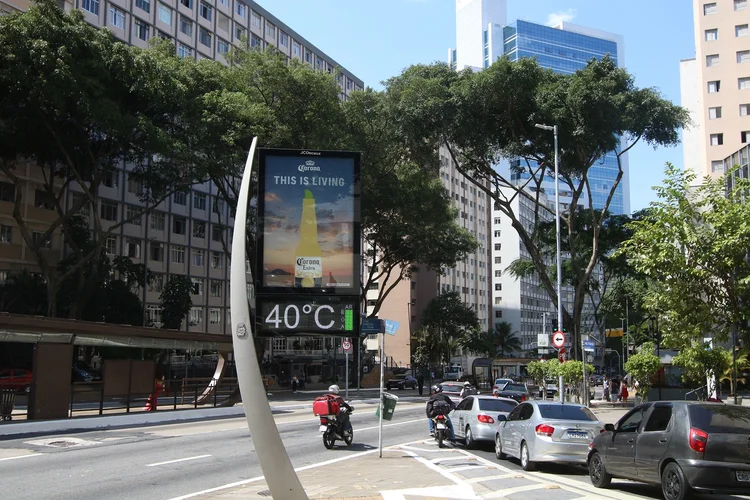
605	389
294	384
420	382
152	400
625	392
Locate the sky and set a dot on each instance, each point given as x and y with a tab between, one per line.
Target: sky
377	39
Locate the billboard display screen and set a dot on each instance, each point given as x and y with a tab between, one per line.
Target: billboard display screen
309	227
331	315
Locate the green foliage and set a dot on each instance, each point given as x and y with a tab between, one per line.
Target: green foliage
24	293
742	363
447	321
572	371
496	342
699	360
176	301
643	365
536	370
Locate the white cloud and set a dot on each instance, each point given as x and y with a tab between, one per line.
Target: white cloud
563	16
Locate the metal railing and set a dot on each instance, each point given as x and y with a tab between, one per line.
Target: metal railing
700	393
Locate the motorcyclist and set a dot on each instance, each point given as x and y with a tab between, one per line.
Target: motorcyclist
438	396
467	389
343	416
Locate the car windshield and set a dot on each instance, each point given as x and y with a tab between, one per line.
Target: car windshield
567	412
497	405
721	419
515	387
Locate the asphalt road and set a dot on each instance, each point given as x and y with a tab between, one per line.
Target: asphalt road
168	461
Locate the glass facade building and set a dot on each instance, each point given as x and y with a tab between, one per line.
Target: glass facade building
566	52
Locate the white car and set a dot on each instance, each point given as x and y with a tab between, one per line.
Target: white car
475	418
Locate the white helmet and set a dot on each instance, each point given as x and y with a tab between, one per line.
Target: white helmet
334	389
467	384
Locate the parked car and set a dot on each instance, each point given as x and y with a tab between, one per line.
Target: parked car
475	417
401	382
518	392
78	375
596	379
548	389
683	446
15	378
92	372
499	384
538	431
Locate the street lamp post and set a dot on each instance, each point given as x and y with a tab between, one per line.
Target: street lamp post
553	128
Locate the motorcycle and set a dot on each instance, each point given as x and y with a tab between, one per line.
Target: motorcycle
441	429
331	427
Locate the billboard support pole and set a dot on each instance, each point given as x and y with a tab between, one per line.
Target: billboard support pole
382	370
274	461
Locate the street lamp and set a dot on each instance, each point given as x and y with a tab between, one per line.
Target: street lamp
553	128
624	341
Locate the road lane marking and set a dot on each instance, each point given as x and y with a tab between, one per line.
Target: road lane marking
178	460
22	456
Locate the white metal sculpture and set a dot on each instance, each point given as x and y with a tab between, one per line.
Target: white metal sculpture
277	469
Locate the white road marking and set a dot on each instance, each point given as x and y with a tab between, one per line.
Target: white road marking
178	460
390	425
21	456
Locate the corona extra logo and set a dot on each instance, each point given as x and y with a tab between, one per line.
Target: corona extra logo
309	166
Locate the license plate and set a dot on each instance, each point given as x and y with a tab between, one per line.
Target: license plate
322	428
441	427
743	477
578	435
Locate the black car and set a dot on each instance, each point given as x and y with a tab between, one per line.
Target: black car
518	392
683	446
401	382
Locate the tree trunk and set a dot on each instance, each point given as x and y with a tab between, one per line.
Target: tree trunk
51	298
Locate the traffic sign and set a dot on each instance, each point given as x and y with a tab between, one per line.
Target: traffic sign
558	339
372	325
346	345
542	340
391	327
561	355
588	345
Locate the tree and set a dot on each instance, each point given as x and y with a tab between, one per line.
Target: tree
536	370
447	320
481	117
24	293
741	364
693	246
699	360
643	365
498	340
176	301
504	339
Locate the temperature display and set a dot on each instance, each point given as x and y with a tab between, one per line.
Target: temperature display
307	315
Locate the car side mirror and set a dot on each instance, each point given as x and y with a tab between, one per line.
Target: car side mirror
501	418
609	427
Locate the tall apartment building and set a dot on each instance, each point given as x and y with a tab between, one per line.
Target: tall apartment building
715	85
184	234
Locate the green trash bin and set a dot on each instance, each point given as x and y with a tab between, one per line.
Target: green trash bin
389	405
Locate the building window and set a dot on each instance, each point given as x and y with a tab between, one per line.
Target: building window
717	139
133	248
110	246
187	3
239	32
135	185
178	255
90	6
196	316
205	37
744	136
709	8
178	225
717	166
199	201
711	35
714	113
498	274
740	30
743	83
156	251
199	258
224	2
184	51
214	316
40	241
712	60
740	4
283	39
296	49
241	9
116	17
7	192
199	229
714	86
255	41
153	314
141	29
744	109
216	288
157	283
217	260
186	25
180	198
157	221
206	11
222	46
743	56
218	207
144	5
165	14
42	199
497	234
133	214
108	211
6	234
255	20
270	30
498	287
217	232
110	179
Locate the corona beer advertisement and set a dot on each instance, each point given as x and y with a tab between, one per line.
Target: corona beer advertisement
309	215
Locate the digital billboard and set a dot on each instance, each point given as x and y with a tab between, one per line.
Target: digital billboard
309	228
331	315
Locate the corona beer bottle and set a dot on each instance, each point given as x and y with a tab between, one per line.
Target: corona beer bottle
308	258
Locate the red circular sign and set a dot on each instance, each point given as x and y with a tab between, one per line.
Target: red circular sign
346	345
558	339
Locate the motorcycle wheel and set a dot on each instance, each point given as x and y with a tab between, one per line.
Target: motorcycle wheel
439	437
328	439
348	438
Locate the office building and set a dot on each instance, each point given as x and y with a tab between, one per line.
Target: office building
715	85
187	234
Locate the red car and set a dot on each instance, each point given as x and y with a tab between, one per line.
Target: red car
15	378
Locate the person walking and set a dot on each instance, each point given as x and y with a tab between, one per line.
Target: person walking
295	384
605	389
624	393
420	382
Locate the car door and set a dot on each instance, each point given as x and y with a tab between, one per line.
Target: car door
507	431
525	411
620	456
653	440
460	416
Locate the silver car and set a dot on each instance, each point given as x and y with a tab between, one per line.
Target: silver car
475	418
539	431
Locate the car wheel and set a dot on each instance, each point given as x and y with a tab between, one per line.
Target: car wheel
469	438
674	486
499	448
526	463
597	472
